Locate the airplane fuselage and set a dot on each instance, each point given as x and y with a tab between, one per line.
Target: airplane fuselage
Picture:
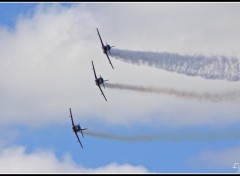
99	81
106	48
76	128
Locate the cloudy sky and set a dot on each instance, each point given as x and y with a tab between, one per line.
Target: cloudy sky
46	51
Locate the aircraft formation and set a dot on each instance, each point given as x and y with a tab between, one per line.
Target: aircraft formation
99	82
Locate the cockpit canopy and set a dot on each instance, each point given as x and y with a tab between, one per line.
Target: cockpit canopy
99	80
76	128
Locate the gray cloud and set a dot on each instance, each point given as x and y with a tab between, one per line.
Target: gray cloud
45	65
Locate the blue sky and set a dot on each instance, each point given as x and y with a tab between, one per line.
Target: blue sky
45	53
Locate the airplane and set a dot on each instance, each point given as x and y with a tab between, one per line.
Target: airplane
76	128
106	48
99	81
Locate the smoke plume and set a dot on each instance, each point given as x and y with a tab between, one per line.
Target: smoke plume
167	136
215	67
203	96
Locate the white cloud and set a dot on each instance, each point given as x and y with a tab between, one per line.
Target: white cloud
116	168
17	160
218	159
45	64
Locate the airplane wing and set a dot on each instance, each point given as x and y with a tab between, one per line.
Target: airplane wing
79	139
102	92
109	60
94	71
100	38
71	116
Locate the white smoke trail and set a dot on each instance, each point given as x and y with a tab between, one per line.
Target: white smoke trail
167	136
207	67
206	96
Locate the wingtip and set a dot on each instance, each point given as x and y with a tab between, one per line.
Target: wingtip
111	65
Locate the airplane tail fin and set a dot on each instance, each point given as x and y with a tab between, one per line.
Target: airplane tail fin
110	50
104	84
108	46
82	130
